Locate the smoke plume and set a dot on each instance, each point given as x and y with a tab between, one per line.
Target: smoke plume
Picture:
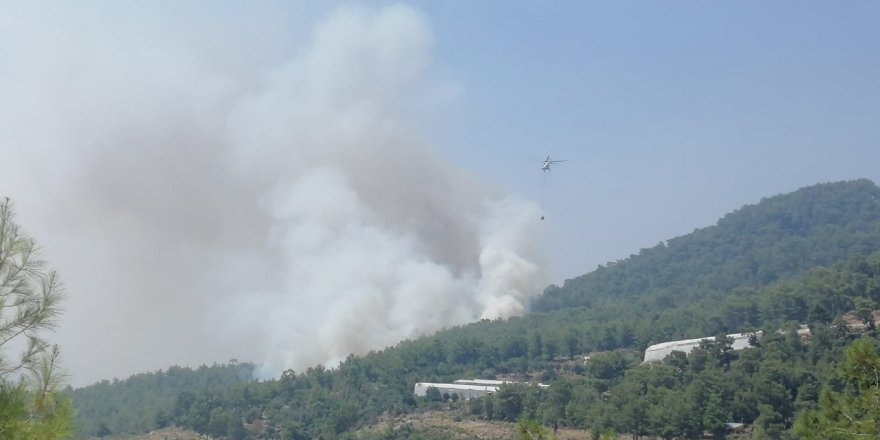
234	183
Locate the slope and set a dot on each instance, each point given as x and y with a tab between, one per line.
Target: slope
750	247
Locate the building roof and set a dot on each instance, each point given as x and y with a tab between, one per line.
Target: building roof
456	386
659	351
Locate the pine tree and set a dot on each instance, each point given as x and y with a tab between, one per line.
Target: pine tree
31	406
853	412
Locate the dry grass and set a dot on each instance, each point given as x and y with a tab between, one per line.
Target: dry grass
163	434
461	428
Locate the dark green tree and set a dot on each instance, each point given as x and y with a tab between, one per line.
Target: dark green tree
432	394
31	404
530	429
853	412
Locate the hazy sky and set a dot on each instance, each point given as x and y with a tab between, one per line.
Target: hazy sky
287	182
671	114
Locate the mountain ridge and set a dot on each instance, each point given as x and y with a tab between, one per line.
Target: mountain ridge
733	255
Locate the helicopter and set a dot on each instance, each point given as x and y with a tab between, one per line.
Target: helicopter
546	167
547	162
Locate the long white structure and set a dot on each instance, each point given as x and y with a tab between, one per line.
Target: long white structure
658	352
464	391
465	388
484	382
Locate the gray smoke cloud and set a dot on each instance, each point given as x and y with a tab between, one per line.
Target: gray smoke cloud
232	184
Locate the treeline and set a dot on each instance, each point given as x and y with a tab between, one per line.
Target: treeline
142	402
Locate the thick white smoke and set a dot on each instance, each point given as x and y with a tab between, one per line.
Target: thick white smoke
206	197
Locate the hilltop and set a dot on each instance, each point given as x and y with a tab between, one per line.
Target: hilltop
750	247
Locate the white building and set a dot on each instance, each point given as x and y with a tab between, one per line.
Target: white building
493	383
484	382
465	388
464	391
658	352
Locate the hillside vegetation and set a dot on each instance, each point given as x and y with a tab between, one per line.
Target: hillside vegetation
141	403
750	247
805	257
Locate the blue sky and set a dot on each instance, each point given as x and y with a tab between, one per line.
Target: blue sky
671	114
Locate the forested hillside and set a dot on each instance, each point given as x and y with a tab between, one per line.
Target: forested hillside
141	402
750	247
801	258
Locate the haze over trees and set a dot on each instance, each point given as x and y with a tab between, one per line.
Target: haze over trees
805	258
31	406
